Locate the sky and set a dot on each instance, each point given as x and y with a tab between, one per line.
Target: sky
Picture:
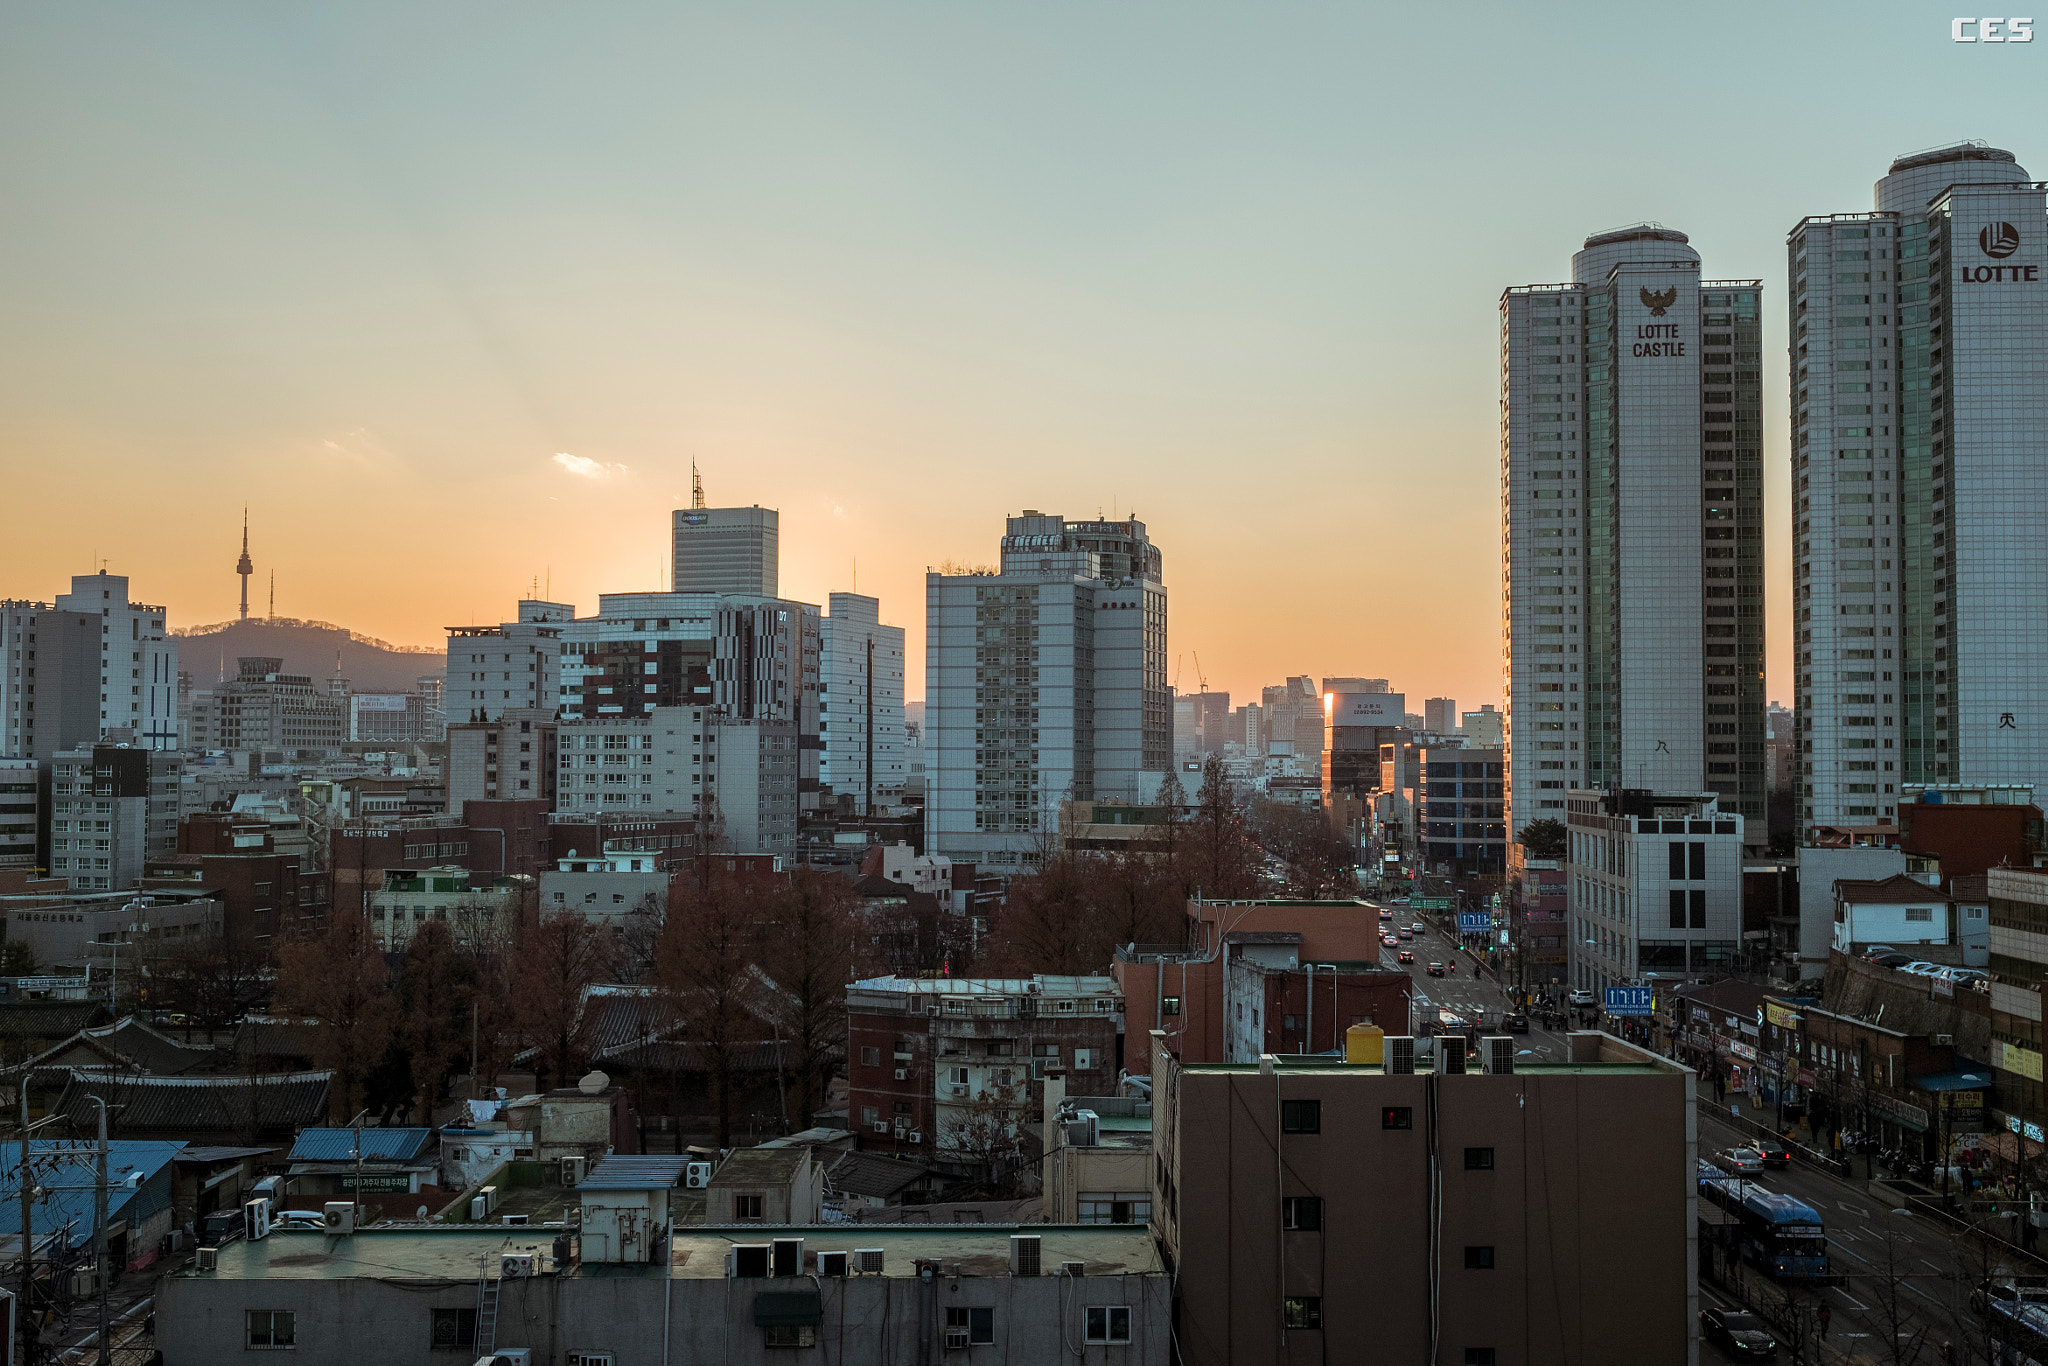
452	294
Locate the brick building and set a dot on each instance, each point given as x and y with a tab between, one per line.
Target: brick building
935	1066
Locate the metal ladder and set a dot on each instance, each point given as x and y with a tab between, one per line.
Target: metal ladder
486	1310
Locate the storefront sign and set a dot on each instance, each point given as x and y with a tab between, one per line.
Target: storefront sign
2024	1062
1742	1051
1784	1017
1897	1111
1963	1111
375	1183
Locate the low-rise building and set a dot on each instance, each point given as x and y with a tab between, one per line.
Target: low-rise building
1900	910
766	1186
21	813
409	899
1655	887
325	1163
1097	1163
607	886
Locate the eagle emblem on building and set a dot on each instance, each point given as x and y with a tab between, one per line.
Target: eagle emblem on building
1658	300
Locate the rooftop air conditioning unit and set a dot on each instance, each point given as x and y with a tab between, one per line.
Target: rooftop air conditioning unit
903	1074
696	1175
513	1265
1024	1254
512	1220
1450	1055
747	1261
1498	1052
573	1169
1084	1130
338	1217
868	1261
489	1195
916	1137
1942	1040
1075	1269
1034	988
788	1256
832	1263
1400	1054
511	1356
208	1258
956	1339
256	1219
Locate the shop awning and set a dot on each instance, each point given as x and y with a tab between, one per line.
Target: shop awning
788	1309
1956	1081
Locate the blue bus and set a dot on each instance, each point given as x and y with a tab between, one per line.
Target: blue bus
1784	1236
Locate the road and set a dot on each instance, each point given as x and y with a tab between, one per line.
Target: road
1909	1279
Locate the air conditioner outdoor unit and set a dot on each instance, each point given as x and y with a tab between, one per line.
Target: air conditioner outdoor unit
512	1220
788	1258
1073	1268
832	1263
1498	1053
1942	1040
1450	1055
696	1175
338	1217
959	1088
573	1169
747	1261
916	1137
956	1339
868	1261
85	1281
256	1219
881	1126
903	1074
1034	988
1024	1254
512	1265
208	1258
511	1356
1400	1054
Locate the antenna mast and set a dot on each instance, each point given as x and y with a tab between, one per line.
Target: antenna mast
696	485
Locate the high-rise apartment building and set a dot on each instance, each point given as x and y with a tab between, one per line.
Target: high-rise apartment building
21	815
1919	487
90	662
726	550
860	704
263	708
112	808
1632	537
511	667
1044	683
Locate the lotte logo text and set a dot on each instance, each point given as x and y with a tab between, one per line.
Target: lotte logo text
2014	30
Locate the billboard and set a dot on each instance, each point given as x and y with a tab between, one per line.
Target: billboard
1366	708
380	701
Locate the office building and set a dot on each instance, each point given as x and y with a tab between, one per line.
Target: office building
1355	725
1044	683
1631	451
860	704
89	662
1463	827
1321	1210
1485	728
263	709
112	807
395	718
515	666
511	758
1919	357
21	815
1439	715
1654	885
726	550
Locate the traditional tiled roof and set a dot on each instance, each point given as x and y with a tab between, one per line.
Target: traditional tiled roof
760	1166
1896	890
199	1106
766	1055
127	1042
873	1175
49	1019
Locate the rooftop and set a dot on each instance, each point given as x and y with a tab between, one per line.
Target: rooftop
1898	889
1048	984
760	1166
636	1173
451	1254
377	1145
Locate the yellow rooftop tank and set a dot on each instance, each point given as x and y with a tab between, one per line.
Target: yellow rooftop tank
1365	1043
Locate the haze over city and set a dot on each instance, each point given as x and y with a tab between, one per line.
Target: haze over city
451	297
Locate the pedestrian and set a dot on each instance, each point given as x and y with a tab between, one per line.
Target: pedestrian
1826	1315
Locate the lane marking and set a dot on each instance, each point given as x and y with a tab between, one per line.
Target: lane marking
1853	1300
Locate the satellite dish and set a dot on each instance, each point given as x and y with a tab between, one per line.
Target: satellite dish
593	1082
420	1213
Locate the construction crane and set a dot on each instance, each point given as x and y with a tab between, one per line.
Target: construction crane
1200	677
1176	673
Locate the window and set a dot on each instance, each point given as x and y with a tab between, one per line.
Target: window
454	1329
1099	1208
1677	861
1479	1259
1919	913
1479	1356
271	1327
1302	1213
1169	1005
1305	1311
871	1057
1698	903
787	1335
1677	906
1109	1323
1478	1159
979	1324
1301	1116
1699	862
1397	1117
746	1206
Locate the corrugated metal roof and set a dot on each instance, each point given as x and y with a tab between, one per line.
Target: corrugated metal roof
635	1173
67	1178
379	1145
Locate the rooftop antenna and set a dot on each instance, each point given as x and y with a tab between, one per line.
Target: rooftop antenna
273	596
696	485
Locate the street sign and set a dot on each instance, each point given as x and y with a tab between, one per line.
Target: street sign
1629	1000
1429	903
1475	922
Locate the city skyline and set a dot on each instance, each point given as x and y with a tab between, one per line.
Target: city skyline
911	277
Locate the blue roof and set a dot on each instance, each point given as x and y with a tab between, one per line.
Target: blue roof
379	1145
1779	1208
67	1182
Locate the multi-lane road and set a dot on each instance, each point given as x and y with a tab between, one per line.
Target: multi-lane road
1908	1278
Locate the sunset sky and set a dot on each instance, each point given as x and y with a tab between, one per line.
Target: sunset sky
896	270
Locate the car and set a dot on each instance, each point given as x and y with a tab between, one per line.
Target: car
1418	927
219	1226
1436	969
1742	1161
1922	969
1516	1023
1742	1335
1583	997
1407	955
1407	934
1960	975
1877	950
1893	960
1774	1153
1386	915
1389	940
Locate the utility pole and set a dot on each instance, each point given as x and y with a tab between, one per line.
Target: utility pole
99	1230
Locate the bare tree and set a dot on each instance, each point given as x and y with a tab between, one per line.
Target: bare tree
434	992
809	959
554	961
705	965
986	1134
339	980
1216	855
